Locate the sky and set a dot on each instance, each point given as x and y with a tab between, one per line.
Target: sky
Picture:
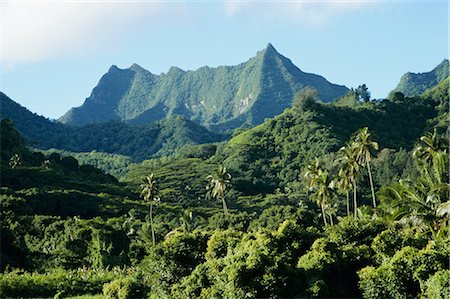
53	53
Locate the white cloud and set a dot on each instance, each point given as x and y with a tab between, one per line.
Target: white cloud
37	30
307	12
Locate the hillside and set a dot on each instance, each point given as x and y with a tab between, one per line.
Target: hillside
289	230
412	84
271	155
138	142
222	98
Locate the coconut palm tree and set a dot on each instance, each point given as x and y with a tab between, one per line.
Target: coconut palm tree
426	200
325	193
312	174
218	181
149	190
364	145
15	161
431	143
425	152
348	168
319	181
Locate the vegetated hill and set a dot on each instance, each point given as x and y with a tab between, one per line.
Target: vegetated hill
54	184
440	95
412	84
139	142
271	155
114	164
269	158
222	98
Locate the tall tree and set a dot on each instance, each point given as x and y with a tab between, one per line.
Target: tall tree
325	193
218	182
319	181
348	168
15	161
430	144
363	92
426	200
149	190
364	146
312	174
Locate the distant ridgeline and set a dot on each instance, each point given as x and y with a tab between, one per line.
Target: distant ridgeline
138	142
269	80
220	98
412	84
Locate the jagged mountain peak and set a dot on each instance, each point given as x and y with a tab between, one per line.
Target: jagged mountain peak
222	98
136	67
269	50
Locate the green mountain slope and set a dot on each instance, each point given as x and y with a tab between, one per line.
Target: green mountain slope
223	98
412	84
139	142
271	155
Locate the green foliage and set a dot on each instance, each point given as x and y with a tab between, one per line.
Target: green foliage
116	165
257	265
69	283
202	151
72	222
438	285
407	273
181	181
412	84
172	259
341	253
124	288
270	156
363	93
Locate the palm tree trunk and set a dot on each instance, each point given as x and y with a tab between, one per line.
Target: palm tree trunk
224	204
151	223
323	215
348	204
371	185
354	199
331	219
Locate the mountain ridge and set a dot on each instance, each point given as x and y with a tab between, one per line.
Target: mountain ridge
162	137
223	97
412	84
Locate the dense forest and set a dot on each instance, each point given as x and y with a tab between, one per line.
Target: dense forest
345	199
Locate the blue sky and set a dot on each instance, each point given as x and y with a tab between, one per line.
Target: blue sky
54	52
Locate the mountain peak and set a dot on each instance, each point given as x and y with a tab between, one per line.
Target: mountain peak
136	67
270	49
113	68
221	98
270	46
412	84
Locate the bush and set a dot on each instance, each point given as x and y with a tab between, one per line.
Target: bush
409	273
68	283
438	285
123	288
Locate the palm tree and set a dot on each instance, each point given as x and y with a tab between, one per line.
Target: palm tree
149	190
348	168
431	143
425	152
426	200
320	181
218	181
325	193
15	161
312	174
364	146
